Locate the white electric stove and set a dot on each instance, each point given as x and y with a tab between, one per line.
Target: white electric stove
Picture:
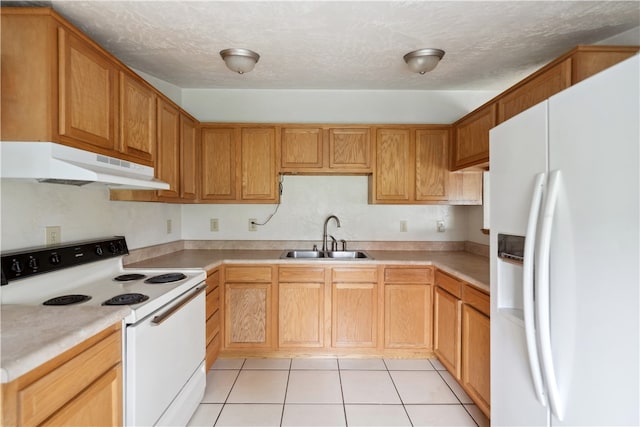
164	338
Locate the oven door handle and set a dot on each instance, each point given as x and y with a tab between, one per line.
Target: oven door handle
167	314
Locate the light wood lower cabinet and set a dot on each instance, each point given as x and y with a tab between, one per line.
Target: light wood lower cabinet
82	386
446	318
301	307
476	359
213	317
407	308
249	307
354	307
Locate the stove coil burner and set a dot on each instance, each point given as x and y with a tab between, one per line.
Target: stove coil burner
166	278
129	277
67	300
126	299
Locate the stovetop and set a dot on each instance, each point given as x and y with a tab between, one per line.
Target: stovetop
82	269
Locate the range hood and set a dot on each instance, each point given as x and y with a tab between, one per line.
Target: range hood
56	163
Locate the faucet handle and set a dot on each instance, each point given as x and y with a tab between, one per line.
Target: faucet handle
334	243
344	244
315	248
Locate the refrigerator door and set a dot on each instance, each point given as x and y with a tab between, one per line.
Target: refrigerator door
518	152
594	274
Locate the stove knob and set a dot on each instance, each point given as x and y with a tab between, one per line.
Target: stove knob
33	263
16	266
99	250
120	246
112	248
54	259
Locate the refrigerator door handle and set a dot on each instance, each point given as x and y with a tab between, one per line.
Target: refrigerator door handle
542	297
528	288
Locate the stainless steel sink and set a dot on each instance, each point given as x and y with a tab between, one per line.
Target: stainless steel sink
300	254
348	254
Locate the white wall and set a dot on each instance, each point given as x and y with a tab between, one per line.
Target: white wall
83	213
628	38
331	106
474	225
306	202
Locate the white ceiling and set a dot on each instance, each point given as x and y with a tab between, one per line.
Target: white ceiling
346	44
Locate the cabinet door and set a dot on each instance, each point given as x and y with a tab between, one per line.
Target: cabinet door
188	165
465	187
432	159
137	119
476	356
301	149
168	164
350	149
301	315
218	163
100	404
471	145
87	88
534	91
392	174
213	317
354	312
407	316
258	167
247	311
446	319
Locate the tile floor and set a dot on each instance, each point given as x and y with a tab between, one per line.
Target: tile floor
334	392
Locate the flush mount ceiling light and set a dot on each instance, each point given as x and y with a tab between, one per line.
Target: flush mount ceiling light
423	60
239	60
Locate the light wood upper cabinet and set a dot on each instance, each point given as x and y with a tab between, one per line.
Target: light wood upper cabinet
218	167
349	149
471	144
432	172
302	306
311	149
354	307
188	158
552	81
168	164
301	149
393	172
258	165
408	307
86	382
87	91
137	118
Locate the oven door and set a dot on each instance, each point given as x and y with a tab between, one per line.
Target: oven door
163	354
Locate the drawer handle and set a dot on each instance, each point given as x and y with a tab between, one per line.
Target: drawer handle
157	320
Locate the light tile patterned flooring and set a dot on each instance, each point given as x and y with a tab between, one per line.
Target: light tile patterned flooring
334	392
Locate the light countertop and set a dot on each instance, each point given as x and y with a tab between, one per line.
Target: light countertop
471	268
32	335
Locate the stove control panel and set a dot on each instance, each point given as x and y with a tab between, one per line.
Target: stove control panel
29	262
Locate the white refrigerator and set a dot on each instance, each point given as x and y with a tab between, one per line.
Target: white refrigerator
565	299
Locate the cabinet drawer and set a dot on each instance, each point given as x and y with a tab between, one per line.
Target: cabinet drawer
408	275
476	299
449	284
248	274
213	279
213	301
301	274
68	380
213	326
355	275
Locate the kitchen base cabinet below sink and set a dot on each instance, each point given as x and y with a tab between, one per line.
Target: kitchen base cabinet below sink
82	386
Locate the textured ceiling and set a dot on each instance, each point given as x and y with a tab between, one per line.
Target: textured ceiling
346	44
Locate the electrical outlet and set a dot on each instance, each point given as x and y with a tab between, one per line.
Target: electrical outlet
169	226
440	226
213	224
252	224
403	226
52	235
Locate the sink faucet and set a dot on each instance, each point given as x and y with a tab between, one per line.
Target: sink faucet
324	234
